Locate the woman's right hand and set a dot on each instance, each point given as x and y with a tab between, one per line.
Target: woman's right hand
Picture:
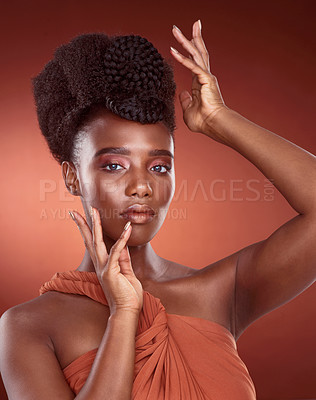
121	288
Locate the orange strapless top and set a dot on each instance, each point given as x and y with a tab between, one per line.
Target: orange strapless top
177	357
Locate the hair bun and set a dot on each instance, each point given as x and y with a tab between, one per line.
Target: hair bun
133	63
125	74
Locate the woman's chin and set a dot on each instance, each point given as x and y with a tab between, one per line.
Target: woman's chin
139	237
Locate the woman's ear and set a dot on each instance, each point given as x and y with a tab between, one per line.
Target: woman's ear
70	176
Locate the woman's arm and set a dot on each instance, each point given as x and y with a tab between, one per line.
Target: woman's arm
291	169
30	369
112	372
273	271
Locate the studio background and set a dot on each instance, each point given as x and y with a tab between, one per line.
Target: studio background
263	55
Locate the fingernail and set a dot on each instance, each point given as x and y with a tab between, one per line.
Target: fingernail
91	211
177	28
174	50
72	216
127	225
200	23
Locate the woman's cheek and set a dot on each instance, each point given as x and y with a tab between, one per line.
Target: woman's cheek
108	190
89	191
166	192
102	187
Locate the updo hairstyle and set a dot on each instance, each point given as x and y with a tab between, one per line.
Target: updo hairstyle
124	74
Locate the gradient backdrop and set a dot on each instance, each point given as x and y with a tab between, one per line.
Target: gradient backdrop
263	54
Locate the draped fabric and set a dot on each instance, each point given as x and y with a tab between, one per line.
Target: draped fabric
177	357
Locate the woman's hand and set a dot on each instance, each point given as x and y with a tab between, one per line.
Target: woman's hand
122	289
206	100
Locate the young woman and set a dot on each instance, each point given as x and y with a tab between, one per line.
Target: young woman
128	323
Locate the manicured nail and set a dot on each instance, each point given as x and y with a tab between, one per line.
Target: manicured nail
200	23
72	216
177	28
127	225
174	50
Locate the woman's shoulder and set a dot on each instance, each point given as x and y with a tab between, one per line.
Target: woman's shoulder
34	315
219	271
25	325
206	292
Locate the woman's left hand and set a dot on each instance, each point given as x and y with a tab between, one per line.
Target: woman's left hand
206	100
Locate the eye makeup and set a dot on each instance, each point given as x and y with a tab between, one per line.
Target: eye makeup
108	160
105	160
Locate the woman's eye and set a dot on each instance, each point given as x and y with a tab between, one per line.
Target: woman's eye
158	168
112	167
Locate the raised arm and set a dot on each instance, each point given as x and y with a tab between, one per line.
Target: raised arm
275	270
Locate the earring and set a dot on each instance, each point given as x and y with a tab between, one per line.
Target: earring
73	189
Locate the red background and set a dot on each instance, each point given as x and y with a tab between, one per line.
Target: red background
263	54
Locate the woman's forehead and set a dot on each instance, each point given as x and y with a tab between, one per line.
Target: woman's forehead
109	130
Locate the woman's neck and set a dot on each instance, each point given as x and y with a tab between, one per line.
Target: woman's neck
147	265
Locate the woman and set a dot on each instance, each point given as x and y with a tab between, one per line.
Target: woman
145	327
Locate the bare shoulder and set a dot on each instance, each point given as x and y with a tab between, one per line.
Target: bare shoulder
206	293
27	324
34	315
215	276
216	282
28	364
27	314
223	270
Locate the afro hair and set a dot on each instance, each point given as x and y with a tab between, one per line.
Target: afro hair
124	74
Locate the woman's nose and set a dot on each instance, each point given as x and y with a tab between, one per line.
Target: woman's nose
139	187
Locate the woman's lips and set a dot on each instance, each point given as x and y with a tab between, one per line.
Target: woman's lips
138	217
138	213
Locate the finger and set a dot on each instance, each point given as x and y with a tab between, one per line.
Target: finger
85	233
188	46
191	58
202	74
125	262
118	246
199	43
97	237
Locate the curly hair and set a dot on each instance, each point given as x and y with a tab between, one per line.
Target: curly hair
124	74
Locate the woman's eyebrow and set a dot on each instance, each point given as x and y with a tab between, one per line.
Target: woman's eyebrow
126	152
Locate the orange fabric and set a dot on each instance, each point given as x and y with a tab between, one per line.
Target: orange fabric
177	357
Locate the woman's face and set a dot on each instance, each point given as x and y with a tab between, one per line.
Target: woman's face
123	163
